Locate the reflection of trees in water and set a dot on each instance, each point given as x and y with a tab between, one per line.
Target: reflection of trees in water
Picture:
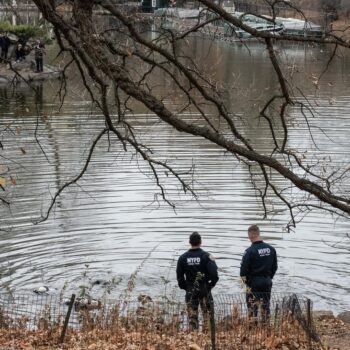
14	98
39	105
39	95
5	100
24	100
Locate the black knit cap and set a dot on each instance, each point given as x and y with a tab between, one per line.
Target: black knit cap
195	239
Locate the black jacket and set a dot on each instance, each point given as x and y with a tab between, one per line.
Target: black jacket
260	259
5	43
197	271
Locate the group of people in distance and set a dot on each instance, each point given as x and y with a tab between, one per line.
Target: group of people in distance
20	52
39	50
197	274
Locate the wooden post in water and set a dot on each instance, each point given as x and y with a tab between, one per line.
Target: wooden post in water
66	320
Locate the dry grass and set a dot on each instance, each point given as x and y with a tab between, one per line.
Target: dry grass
235	332
123	340
36	322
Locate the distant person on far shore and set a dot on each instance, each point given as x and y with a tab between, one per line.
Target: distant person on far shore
197	274
5	43
1	45
20	53
39	51
258	267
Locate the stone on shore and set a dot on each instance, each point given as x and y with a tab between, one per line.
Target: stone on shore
24	65
323	314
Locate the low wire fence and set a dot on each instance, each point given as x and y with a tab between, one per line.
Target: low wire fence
161	324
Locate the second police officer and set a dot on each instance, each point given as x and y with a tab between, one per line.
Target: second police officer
258	267
197	274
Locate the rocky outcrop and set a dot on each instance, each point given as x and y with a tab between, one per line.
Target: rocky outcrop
25	71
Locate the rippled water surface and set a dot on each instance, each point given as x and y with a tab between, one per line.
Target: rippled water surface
110	223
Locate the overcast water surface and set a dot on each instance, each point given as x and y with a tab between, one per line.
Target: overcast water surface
110	224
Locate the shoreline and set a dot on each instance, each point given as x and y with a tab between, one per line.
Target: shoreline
149	324
25	72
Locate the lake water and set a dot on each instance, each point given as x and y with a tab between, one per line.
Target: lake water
109	225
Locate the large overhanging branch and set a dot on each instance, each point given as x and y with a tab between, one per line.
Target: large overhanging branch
100	60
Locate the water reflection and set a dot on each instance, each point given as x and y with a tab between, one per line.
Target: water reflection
110	221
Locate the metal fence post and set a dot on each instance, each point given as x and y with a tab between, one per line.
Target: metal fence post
309	323
275	323
66	320
212	326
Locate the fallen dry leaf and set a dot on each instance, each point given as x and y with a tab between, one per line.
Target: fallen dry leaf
2	181
13	180
194	347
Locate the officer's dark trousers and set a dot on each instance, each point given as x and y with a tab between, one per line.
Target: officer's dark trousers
39	64
193	300
3	57
259	295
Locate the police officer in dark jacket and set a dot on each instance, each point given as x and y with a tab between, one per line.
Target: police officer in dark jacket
197	274
5	43
258	267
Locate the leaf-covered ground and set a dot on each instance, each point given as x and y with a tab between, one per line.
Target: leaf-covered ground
147	332
236	338
335	334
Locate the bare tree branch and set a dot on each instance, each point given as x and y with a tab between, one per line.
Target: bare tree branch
117	72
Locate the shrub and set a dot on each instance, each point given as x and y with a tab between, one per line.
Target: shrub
23	31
